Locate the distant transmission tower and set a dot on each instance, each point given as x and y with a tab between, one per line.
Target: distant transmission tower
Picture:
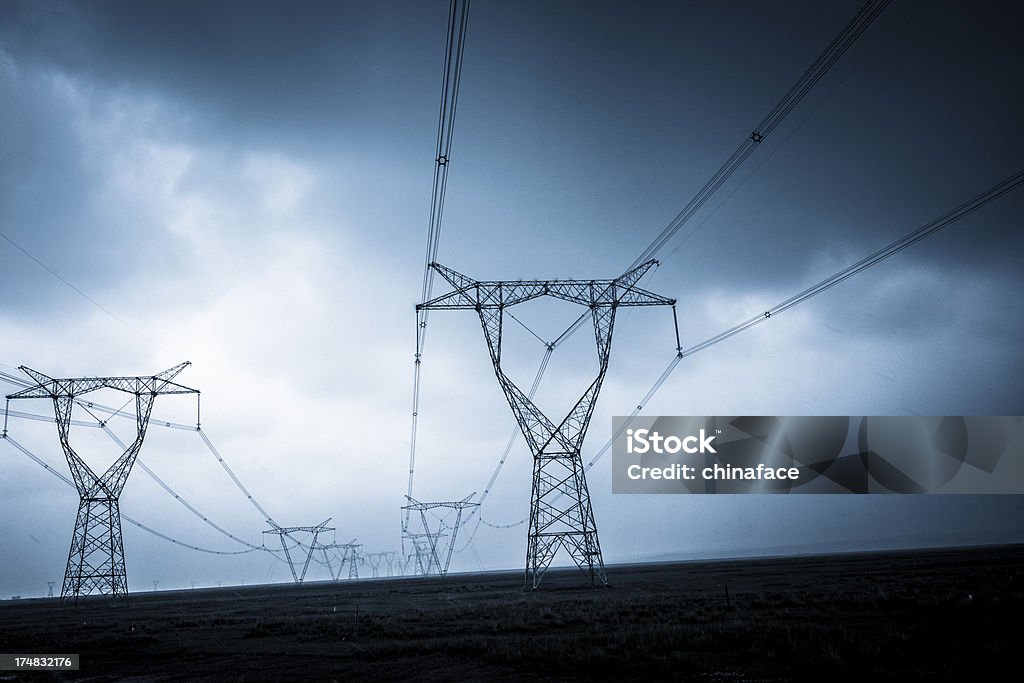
375	559
50	585
355	558
432	537
345	548
284	532
560	510
96	559
389	560
424	555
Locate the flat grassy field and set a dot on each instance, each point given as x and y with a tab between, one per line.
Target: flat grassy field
909	615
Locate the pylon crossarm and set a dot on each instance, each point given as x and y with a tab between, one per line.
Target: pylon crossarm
637	296
499	294
455	505
454	278
284	532
633	275
48	387
162	387
171	373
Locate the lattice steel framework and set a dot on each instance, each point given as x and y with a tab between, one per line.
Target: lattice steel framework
422	555
355	559
285	532
434	560
96	559
344	549
561	515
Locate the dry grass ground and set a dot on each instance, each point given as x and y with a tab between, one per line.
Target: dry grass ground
948	614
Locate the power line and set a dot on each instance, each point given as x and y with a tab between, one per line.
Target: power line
85	296
962	211
794	129
90	406
814	73
455	47
174	494
25	451
965	209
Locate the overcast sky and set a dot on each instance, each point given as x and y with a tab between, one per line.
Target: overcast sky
246	185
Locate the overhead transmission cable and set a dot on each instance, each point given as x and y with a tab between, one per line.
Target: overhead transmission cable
814	73
962	211
90	407
455	47
9	439
85	296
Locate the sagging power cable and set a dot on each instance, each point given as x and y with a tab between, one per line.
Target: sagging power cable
455	47
962	211
769	122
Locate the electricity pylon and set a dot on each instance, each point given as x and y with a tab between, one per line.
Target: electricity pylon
458	506
561	515
375	559
96	559
284	531
389	560
345	548
422	545
355	558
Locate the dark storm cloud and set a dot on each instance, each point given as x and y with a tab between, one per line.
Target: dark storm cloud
592	121
234	77
247	64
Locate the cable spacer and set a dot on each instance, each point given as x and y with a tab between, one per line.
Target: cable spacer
756	137
442	160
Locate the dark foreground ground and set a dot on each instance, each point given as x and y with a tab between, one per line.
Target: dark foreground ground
948	614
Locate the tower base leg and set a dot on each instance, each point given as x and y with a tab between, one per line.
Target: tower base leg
561	517
96	559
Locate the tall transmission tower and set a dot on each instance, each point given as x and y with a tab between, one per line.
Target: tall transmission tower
561	515
96	559
433	536
285	531
50	585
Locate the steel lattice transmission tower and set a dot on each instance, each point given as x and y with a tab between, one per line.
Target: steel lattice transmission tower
561	515
96	559
286	531
434	560
423	564
345	548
